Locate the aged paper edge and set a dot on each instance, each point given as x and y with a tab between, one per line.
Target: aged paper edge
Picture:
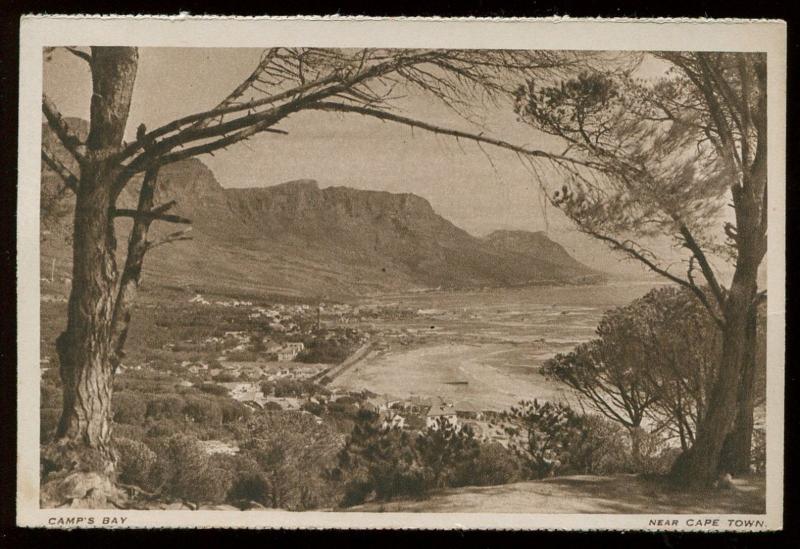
38	31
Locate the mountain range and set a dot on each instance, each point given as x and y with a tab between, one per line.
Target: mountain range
299	239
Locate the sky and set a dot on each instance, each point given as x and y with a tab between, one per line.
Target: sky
478	190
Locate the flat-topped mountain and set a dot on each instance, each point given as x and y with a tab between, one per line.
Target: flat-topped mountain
298	238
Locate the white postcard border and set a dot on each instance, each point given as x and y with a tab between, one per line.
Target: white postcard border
555	33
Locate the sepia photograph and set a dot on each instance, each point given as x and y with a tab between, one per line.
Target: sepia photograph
324	280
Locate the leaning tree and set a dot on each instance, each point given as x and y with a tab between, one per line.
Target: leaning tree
668	156
285	82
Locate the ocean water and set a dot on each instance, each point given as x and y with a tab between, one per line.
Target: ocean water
485	347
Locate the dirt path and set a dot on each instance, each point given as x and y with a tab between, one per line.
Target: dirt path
626	494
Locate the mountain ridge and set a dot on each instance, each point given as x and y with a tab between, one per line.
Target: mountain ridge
298	238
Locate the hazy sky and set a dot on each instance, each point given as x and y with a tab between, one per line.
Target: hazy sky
457	178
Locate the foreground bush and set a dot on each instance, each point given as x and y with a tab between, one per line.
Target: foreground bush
187	473
128	407
135	461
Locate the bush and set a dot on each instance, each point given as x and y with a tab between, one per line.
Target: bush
292	453
224	377
380	463
50	396
128	407
49	418
166	427
249	486
213	389
242	356
187	472
543	435
233	411
600	447
203	411
493	465
126	430
168	405
135	462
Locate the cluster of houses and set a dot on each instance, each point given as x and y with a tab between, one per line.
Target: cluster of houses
435	412
254	371
242	341
198	299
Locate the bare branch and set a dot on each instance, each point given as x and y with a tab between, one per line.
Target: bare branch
163	207
70	141
151	215
479	138
172	237
636	254
70	179
705	266
209	148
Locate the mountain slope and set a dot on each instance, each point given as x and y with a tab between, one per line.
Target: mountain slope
296	238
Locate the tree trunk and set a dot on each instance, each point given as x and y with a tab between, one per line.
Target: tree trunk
132	272
700	466
736	449
84	348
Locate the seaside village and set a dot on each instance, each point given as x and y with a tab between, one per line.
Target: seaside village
267	366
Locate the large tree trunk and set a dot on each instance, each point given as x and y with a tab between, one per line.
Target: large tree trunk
736	449
85	348
701	465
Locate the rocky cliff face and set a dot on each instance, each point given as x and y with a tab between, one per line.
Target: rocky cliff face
298	238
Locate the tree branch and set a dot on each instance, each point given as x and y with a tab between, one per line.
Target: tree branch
656	269
151	215
70	141
70	179
705	266
177	236
479	138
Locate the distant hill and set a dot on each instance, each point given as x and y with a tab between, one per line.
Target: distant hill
538	244
297	238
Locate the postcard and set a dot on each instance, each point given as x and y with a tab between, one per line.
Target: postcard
334	272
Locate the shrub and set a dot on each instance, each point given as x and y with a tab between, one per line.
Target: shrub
187	472
313	408
380	463
49	418
494	464
168	405
600	447
233	411
242	356
166	427
50	396
213	389
444	452
655	456
134	462
128	407
224	377
126	430
203	411
249	486
292	453
542	434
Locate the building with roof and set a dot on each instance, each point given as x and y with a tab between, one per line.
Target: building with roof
440	413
